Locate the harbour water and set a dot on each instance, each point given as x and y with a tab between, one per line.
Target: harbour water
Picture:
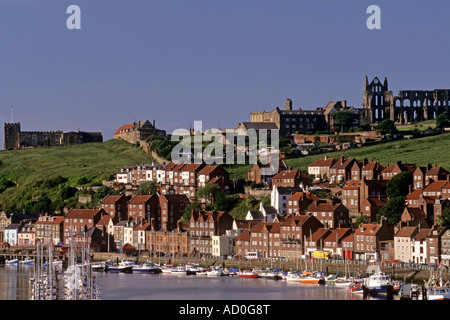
14	285
120	286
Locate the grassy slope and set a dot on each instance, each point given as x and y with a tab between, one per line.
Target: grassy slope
435	149
93	159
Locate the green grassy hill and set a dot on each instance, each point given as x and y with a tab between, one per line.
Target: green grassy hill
435	149
52	171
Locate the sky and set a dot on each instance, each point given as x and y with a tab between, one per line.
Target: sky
215	61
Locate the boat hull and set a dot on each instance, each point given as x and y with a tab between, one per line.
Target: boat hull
128	269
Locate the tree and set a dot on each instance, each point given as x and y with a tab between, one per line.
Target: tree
444	219
392	210
443	120
386	127
148	187
398	186
361	219
192	207
208	192
344	119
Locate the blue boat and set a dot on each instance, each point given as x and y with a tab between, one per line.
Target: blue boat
12	262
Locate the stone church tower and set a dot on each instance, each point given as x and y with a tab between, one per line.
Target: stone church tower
377	101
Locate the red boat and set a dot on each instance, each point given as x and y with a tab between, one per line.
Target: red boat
248	274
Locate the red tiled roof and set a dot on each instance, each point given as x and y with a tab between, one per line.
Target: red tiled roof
406	232
435	186
82	213
352	184
323	162
124	128
140	198
287	174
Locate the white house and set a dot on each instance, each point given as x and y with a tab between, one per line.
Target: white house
265	214
12	233
279	196
419	246
223	245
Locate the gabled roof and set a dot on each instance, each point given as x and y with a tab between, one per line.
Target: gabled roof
287	174
301	196
328	162
406	232
124	128
352	184
367	229
435	186
82	213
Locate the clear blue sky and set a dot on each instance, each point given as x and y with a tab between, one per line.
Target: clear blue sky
177	61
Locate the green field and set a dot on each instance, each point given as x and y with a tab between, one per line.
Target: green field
435	149
85	164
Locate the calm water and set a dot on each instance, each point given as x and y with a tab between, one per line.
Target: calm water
14	285
120	286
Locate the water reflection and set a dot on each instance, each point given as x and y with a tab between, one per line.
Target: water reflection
14	282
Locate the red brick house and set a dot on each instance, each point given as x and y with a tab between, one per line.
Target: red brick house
203	226
79	220
350	195
329	213
316	240
50	227
367	239
371	205
289	178
340	171
116	206
434	245
257	174
142	207
299	202
293	232
394	169
333	242
436	173
213	173
320	168
371	170
172	209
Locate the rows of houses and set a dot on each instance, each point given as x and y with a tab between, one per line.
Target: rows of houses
174	178
297	223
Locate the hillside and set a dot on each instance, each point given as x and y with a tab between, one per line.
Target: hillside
435	149
51	171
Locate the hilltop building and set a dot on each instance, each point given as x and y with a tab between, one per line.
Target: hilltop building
137	131
378	104
14	138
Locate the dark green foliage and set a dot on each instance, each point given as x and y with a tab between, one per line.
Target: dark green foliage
392	210
444	218
386	127
398	186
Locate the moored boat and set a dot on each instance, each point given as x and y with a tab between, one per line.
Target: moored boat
215	272
271	274
125	266
436	293
179	270
26	261
146	268
379	283
248	274
167	268
12	262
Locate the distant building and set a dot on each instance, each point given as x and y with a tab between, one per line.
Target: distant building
14	138
138	130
